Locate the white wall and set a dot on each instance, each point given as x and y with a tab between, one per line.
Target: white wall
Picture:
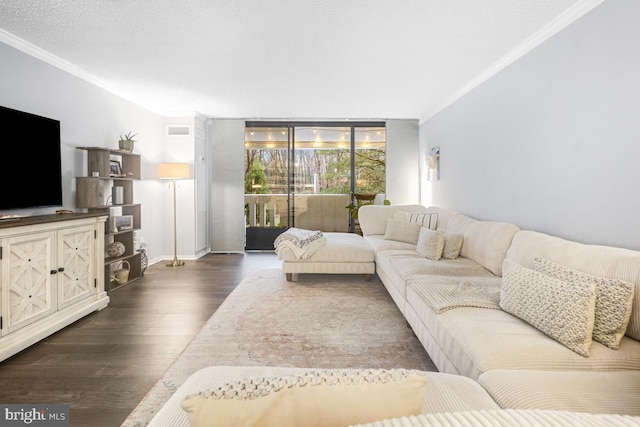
402	168
226	139
92	116
180	149
201	174
552	143
89	116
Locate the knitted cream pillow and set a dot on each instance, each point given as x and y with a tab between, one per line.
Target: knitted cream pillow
564	310
402	231
614	299
430	244
452	244
316	398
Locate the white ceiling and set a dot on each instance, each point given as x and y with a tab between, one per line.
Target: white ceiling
357	59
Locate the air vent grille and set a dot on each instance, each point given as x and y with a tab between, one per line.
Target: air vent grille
178	130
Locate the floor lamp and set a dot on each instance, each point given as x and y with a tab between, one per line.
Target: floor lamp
174	171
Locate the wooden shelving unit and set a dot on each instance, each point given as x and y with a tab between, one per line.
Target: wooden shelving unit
94	193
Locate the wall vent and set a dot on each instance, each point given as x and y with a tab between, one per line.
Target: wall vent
178	130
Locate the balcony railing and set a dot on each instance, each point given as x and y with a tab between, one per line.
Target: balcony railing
324	212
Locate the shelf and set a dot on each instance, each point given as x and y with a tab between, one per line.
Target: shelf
96	194
110	150
112	178
135	270
110	260
99	160
116	233
104	207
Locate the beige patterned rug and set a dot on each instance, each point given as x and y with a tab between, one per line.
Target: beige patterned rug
318	321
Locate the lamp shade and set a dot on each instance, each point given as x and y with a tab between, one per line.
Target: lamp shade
174	170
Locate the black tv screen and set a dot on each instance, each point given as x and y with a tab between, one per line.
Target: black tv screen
31	176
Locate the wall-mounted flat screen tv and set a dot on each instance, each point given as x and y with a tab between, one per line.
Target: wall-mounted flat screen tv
31	176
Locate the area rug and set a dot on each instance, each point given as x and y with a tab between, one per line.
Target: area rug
317	321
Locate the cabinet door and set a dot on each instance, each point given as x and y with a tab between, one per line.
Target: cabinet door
27	279
76	271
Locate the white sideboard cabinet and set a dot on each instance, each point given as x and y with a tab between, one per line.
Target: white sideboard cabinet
51	274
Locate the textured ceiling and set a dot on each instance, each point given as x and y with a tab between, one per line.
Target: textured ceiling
354	59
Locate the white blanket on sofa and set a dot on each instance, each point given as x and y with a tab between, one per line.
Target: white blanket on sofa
445	293
303	243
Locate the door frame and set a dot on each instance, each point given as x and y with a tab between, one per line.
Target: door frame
290	127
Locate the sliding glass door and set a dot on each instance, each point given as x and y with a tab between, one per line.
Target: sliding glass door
306	175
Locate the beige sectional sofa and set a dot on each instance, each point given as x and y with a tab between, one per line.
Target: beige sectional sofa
495	368
454	308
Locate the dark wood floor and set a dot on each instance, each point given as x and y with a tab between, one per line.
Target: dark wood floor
104	364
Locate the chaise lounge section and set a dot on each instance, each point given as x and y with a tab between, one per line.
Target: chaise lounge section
343	253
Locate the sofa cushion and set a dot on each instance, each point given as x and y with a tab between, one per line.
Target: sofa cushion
321	398
444	392
564	310
395	284
402	231
485	242
407	265
470	341
373	218
583	391
395	266
509	417
444	293
597	260
339	248
614	300
452	244
428	220
380	244
430	244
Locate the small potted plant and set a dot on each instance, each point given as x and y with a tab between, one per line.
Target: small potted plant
126	142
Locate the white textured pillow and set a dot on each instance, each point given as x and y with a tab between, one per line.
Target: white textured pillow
452	244
430	244
316	398
564	310
402	231
429	220
614	300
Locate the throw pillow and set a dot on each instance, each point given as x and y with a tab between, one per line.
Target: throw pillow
452	244
430	244
429	220
402	231
614	299
564	310
316	398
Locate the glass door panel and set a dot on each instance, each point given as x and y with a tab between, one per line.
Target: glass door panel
310	176
321	178
369	171
266	171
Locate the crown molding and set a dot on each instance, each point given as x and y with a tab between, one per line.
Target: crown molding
55	61
560	22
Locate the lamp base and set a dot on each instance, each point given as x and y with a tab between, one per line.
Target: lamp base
175	263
